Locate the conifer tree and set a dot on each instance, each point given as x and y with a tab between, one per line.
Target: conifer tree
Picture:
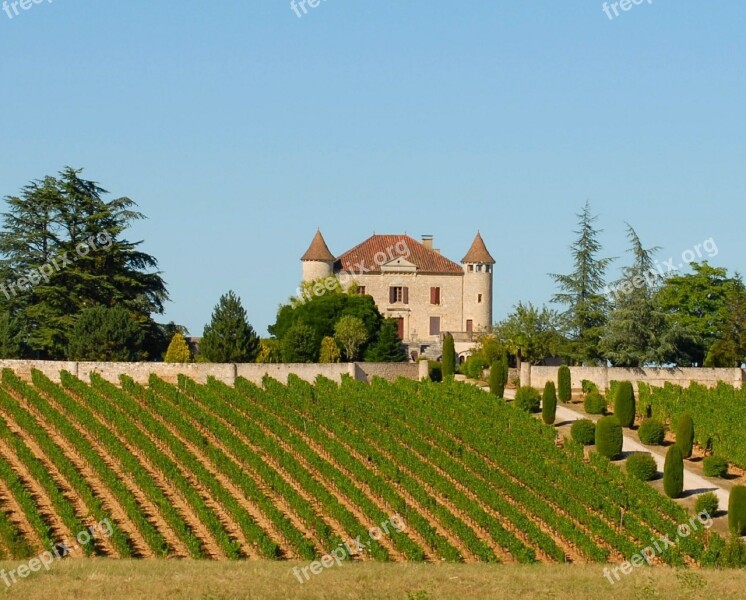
229	338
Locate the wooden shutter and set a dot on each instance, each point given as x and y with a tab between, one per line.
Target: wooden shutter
392	295
405	295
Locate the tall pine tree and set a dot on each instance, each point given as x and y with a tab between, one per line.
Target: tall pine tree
636	332
582	292
229	338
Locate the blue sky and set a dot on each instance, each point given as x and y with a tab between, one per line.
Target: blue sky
240	128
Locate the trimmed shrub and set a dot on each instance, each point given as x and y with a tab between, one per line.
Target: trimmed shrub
737	510
583	432
564	382
652	432
707	503
594	404
715	466
624	404
497	379
178	350
449	357
588	386
435	370
685	435
673	472
642	466
609	437
549	403
528	399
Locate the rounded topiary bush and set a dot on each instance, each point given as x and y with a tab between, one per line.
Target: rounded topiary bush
549	403
528	399
642	466
737	510
673	472
714	466
685	435
588	386
652	432
707	503
584	432
609	438
564	384
624	404
594	404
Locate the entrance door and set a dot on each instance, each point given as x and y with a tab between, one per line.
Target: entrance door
400	327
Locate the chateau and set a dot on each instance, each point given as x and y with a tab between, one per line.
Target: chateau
413	283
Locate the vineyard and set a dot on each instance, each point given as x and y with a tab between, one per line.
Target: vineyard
292	471
718	415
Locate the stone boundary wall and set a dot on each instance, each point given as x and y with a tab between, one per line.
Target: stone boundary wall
226	373
602	376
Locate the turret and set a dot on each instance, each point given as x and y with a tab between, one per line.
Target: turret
318	261
478	270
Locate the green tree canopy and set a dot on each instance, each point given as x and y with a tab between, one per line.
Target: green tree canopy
637	332
229	338
299	344
530	333
350	334
178	350
387	346
321	314
702	308
63	250
581	291
106	334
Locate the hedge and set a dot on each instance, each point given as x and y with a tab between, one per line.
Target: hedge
673	472
594	404
609	437
528	399
583	432
549	403
564	381
714	466
737	510
624	404
652	432
685	435
642	466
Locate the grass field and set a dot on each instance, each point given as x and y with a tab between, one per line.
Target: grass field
98	579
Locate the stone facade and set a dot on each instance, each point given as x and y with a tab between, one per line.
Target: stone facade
411	282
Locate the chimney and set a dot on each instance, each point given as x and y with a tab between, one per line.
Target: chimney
427	241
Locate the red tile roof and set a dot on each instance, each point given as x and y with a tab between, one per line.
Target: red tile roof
478	252
318	250
368	256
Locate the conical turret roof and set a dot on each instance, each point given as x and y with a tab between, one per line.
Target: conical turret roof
478	252
318	250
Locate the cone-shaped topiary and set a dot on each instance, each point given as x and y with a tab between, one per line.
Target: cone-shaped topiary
609	437
549	403
624	404
737	510
673	472
685	435
178	350
449	357
564	381
329	351
497	379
